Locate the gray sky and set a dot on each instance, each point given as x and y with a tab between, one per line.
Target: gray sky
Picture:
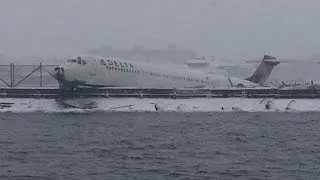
233	28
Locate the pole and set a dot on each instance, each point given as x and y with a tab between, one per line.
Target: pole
12	74
40	74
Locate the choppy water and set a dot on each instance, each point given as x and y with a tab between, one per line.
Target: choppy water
166	145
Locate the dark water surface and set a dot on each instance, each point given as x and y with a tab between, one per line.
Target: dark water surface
160	146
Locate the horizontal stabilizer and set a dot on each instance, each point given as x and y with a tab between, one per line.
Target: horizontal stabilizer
267	57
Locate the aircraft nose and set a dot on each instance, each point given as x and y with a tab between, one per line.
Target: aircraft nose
59	70
58	73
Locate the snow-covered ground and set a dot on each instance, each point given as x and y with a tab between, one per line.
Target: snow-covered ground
161	105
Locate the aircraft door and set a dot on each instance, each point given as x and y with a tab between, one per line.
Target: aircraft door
92	73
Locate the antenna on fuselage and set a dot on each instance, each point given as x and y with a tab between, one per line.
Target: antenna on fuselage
230	81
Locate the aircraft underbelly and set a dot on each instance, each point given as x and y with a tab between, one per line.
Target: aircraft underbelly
121	79
109	78
139	80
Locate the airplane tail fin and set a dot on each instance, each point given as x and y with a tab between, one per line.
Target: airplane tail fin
263	71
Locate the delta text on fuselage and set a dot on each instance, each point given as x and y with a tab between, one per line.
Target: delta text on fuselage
116	63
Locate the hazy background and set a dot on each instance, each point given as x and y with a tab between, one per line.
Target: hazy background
223	28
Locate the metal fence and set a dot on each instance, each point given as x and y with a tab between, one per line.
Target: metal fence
26	76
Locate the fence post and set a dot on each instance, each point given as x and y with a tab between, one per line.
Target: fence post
40	74
12	74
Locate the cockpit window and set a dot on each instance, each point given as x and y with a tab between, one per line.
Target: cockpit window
72	60
79	61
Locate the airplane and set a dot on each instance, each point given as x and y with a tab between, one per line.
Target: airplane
97	72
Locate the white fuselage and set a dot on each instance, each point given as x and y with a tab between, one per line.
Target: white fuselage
111	72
